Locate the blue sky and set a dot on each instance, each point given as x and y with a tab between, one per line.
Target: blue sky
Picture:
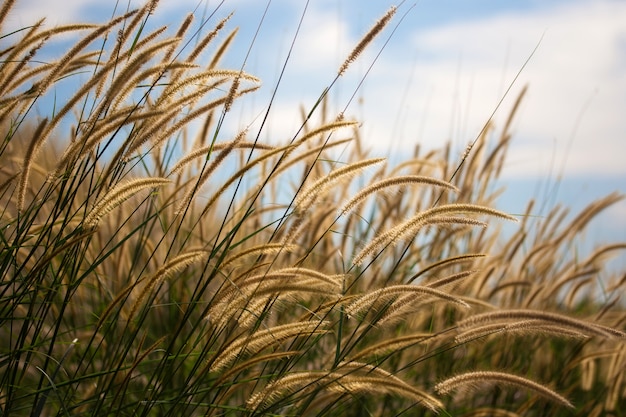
441	74
439	78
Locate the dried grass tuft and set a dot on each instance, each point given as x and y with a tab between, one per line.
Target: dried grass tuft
500	378
118	195
367	39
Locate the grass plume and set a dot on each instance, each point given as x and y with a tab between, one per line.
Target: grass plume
156	258
478	377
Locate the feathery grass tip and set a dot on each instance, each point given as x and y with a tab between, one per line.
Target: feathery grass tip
474	378
369	37
118	195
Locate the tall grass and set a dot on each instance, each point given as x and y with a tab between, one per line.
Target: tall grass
147	272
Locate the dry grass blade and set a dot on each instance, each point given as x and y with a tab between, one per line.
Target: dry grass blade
302	279
246	291
184	26
368	301
194	114
479	377
355	384
401	181
265	249
29	157
590	212
65	61
367	39
567	322
308	195
490	412
200	78
340	382
392	345
263	339
313	152
157	72
206	173
232	93
98	78
206	150
410	227
34	39
450	279
335	279
237	175
291	274
257	359
6	7
432	268
524	327
7	77
327	128
206	40
223	48
80	148
603	252
176	264
117	90
292	382
119	194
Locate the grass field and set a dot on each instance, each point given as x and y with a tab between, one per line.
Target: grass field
151	269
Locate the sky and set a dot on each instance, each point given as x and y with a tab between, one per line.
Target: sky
436	74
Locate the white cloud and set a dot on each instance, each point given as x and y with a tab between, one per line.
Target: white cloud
436	83
577	85
68	11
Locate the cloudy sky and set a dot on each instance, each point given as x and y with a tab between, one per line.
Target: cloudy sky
445	67
441	74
